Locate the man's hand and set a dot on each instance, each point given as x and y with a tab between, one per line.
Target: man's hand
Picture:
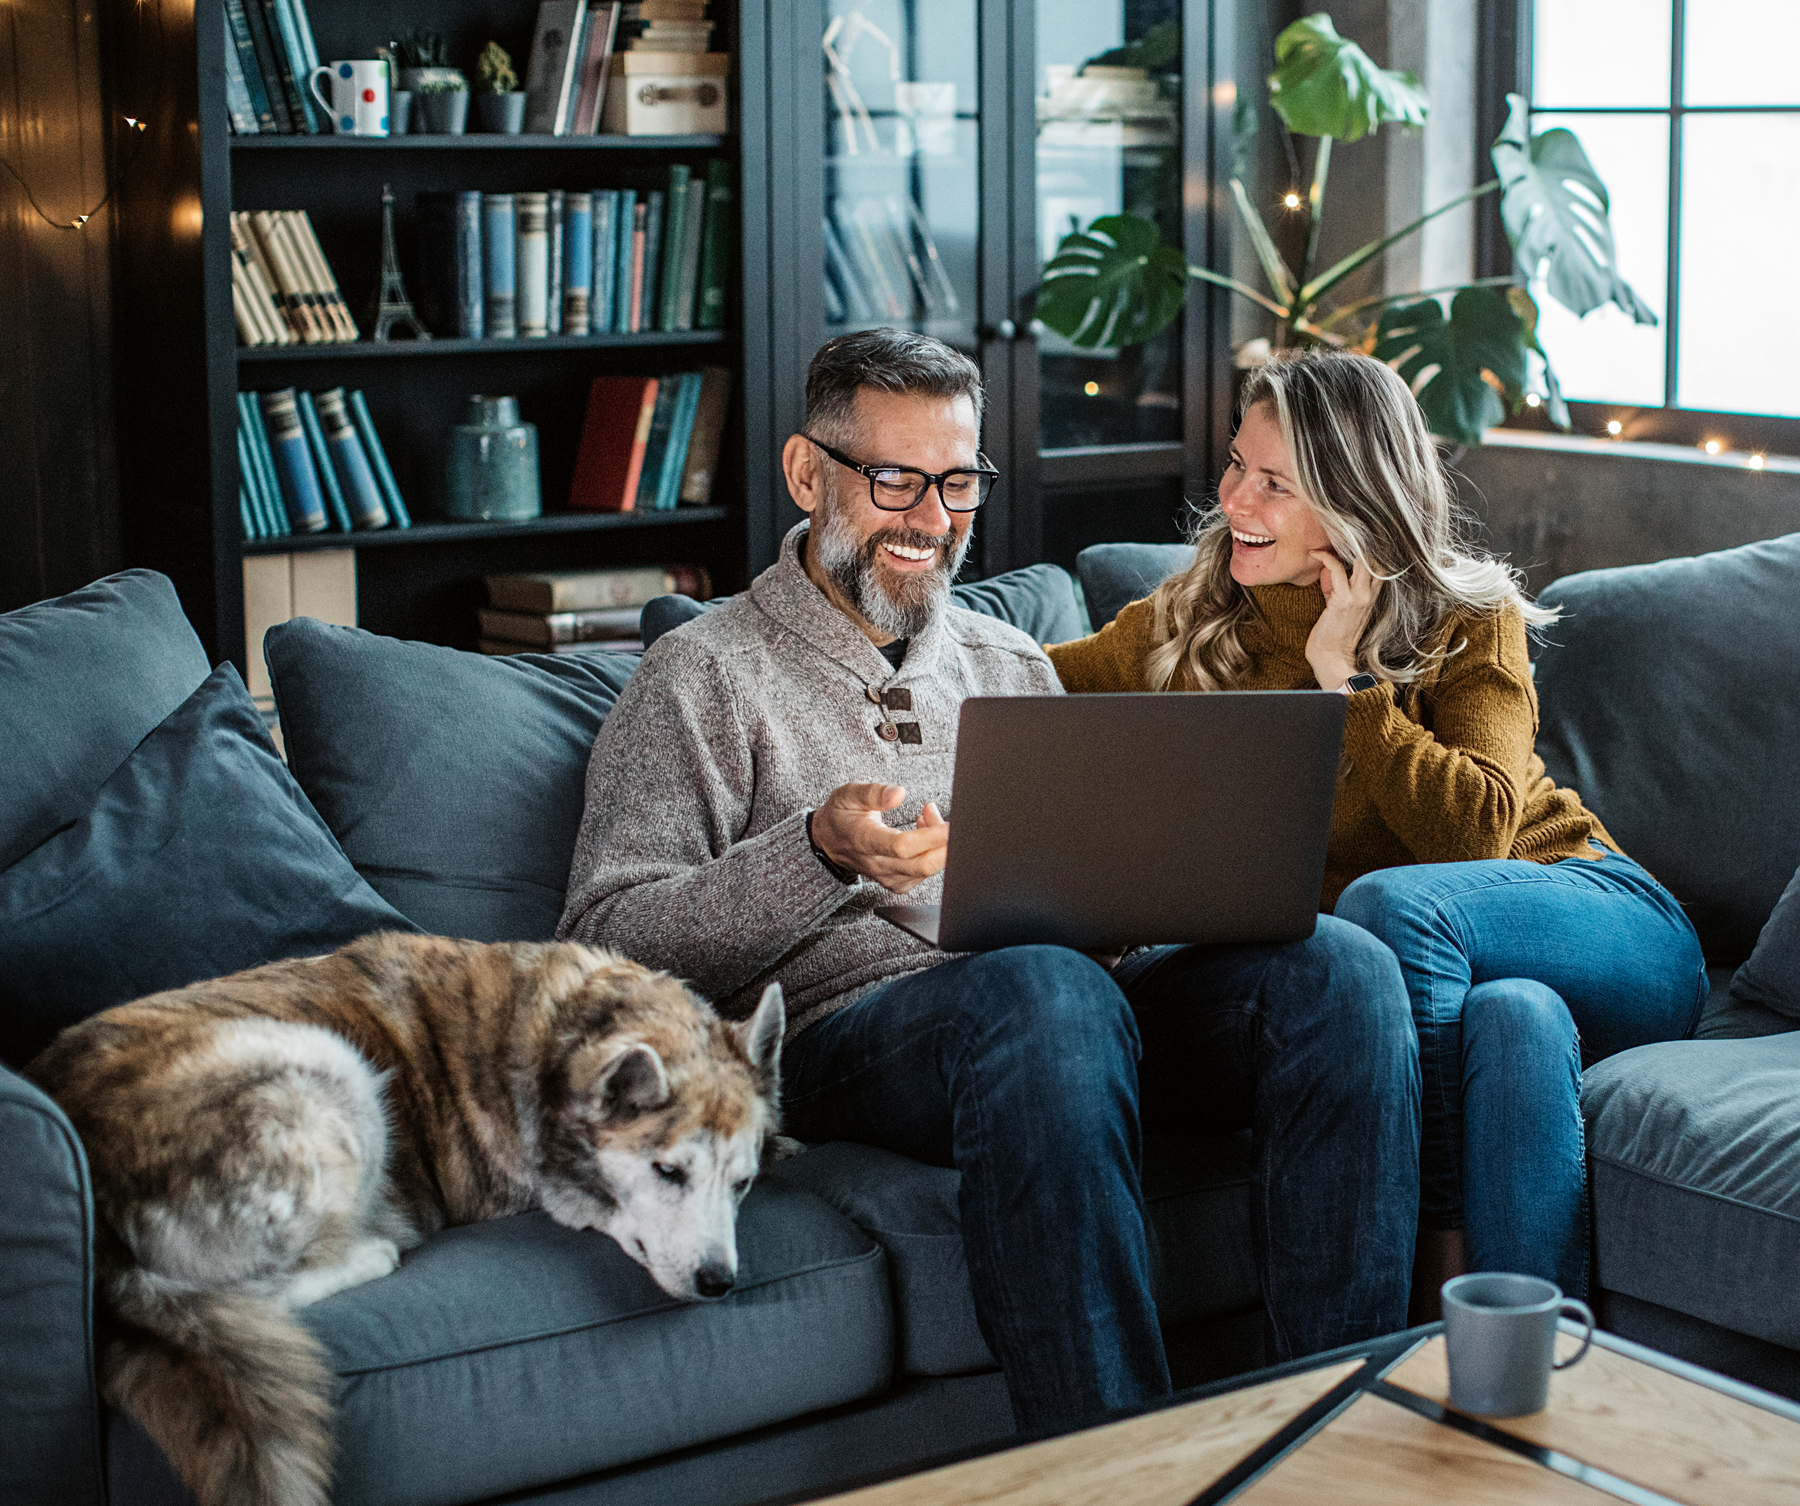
848	826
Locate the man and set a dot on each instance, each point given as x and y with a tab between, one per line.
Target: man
779	767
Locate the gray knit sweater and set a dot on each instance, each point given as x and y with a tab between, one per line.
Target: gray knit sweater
693	853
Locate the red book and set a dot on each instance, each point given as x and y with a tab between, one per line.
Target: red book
613	436
637	265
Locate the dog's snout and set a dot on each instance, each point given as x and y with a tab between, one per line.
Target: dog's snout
713	1281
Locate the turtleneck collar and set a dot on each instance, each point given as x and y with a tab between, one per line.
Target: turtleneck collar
1290	610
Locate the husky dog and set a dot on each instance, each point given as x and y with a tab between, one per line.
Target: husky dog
262	1141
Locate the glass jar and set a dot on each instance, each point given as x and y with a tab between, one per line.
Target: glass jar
493	465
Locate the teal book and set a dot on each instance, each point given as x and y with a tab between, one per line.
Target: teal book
654	214
295	79
355	474
293	462
237	25
606	260
237	91
244	518
264	487
673	237
662	418
623	224
384	473
254	527
268	65
681	430
328	480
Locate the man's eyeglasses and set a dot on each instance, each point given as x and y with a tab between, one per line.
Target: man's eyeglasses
900	488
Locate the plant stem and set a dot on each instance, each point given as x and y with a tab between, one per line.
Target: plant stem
1332	276
1278	310
1315	206
1331	320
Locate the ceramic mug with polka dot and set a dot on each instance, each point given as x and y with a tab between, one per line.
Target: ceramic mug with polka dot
358	103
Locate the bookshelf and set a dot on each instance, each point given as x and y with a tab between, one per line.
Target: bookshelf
181	366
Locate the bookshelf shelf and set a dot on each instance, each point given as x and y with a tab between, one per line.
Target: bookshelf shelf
477	142
465	533
440	347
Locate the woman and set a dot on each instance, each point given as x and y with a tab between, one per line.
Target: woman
1526	938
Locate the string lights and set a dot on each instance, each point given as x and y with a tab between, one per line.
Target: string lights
1290	199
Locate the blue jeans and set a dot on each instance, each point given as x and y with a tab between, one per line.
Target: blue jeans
1518	972
1020	1068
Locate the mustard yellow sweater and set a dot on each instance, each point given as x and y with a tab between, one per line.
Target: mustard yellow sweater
1442	770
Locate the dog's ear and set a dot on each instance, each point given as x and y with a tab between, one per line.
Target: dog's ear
759	1037
633	1081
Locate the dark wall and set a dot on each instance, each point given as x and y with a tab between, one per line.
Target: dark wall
59	513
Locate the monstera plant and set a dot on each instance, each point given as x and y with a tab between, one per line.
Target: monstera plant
1117	284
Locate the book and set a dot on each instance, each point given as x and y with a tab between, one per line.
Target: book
841	275
543	629
261	274
237	91
355	475
324	280
313	285
606	260
307	64
553	280
656	443
328	478
384	473
634	297
583	590
500	290
715	247
237	25
297	300
532	264
578	261
626	226
633	645
597	49
261	522
681	430
665	10
449	263
293	461
264	486
264	46
251	331
703	445
687	264
673	36
294	77
669	276
550	75
653	239
610	459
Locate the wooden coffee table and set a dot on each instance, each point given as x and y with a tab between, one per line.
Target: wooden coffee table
1372	1426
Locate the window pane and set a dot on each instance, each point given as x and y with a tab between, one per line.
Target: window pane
1741	52
1739	222
1602	52
1605	358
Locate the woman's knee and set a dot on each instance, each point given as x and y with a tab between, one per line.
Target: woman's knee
1519	1018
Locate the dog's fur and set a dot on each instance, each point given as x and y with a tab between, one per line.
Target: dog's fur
262	1141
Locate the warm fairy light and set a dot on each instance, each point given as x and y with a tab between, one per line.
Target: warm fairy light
1092	389
1712	447
1532	400
1614	427
1756	462
1291	199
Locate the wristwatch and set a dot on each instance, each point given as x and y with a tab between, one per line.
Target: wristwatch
843	875
1358	682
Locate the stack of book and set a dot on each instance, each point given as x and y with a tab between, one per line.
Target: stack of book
269	57
578	262
650	443
882	264
565	81
283	290
311	464
665	45
576	611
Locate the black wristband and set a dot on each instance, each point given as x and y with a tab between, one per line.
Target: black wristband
842	875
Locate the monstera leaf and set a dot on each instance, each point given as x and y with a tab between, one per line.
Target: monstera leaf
1114	284
1444	360
1325	85
1554	207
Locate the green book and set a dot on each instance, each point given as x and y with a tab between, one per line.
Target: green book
681	430
671	258
378	461
715	248
662	418
265	488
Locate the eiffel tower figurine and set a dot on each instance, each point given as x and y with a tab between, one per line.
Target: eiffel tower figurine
393	309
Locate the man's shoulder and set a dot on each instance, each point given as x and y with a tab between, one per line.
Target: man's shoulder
982	632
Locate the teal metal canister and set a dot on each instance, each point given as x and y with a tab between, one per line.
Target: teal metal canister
493	465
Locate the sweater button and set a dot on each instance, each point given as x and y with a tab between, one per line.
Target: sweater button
872	693
887	731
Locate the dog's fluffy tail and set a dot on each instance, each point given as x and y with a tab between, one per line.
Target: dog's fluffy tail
235	1392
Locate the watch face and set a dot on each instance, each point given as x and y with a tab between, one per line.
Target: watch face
1362	682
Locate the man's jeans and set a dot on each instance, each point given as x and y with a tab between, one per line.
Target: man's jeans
1517	973
1020	1068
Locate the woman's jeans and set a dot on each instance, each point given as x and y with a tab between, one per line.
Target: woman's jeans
1519	973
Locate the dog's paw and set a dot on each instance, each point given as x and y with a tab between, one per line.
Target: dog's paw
779	1148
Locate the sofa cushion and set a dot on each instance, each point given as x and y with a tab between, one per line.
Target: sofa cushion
516	1352
1115	575
1196	1192
455	781
1670	700
1039	600
83	679
1771	978
198	857
1695	1148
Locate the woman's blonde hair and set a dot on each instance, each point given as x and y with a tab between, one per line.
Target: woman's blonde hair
1368	467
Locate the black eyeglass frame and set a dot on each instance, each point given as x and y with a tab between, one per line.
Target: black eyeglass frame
927	481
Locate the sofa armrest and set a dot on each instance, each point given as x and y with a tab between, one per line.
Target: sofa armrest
51	1450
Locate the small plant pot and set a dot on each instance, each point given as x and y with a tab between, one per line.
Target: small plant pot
444	113
399	112
501	114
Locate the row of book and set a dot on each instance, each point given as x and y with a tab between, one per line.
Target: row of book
283	291
577	611
270	55
510	265
572	55
881	262
310	463
650	443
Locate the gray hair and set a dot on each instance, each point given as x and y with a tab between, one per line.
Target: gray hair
884	360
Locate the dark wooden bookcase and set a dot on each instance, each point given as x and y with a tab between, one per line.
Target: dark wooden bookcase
181	366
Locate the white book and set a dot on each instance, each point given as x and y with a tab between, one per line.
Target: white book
550	76
532	264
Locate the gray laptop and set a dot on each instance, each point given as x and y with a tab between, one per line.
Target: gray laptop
1107	821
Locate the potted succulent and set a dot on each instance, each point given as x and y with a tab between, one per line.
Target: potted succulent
500	104
441	93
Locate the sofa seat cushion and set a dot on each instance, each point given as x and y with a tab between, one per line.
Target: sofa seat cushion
1695	1151
454	781
1196	1192
1115	575
515	1353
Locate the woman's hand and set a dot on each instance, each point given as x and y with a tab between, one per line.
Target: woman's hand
1350	593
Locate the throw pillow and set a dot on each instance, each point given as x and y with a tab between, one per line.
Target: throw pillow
200	856
83	678
1115	575
455	781
1772	975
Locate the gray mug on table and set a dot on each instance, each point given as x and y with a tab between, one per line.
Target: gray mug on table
1500	1335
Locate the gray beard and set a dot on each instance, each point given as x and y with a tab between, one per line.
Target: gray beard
911	603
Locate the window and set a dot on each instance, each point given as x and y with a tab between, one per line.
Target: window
1690	112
